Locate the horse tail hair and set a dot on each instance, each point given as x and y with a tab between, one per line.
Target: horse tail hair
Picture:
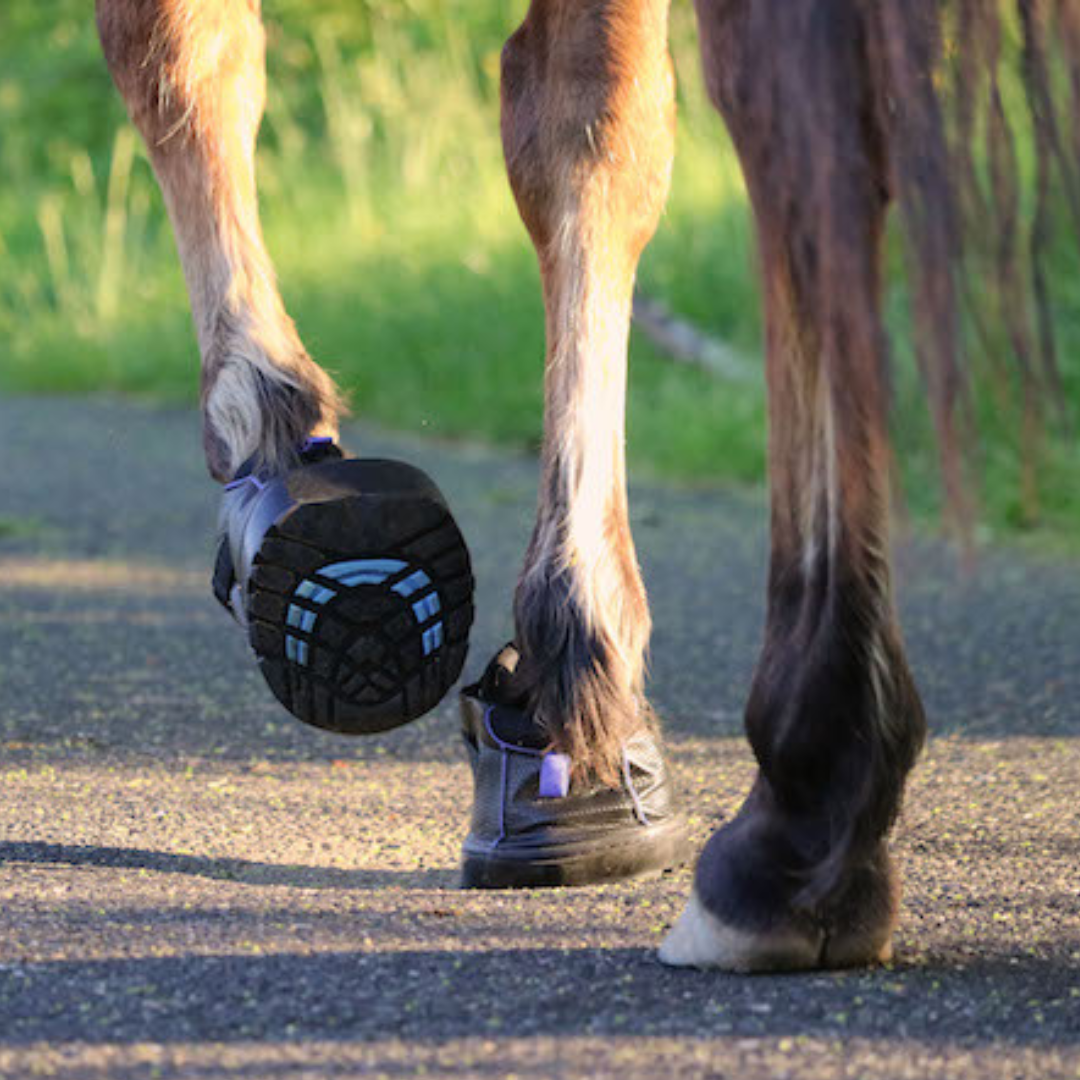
967	92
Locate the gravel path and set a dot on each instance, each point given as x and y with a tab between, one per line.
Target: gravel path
193	884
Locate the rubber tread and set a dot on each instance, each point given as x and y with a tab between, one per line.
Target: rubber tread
367	671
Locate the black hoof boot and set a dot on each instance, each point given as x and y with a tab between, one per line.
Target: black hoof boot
532	828
354	584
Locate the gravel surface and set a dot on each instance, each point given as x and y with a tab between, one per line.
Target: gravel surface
192	884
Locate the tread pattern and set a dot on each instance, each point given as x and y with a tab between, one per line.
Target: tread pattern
360	662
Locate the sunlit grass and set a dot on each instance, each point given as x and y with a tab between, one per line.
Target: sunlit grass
400	252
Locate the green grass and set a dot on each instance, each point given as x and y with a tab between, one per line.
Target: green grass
400	253
19	527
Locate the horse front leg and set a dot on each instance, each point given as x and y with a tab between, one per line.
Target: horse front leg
192	75
588	119
802	876
351	577
588	126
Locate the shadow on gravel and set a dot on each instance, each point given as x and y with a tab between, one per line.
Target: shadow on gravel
243	871
429	997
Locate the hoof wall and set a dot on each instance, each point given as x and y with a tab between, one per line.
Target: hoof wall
700	940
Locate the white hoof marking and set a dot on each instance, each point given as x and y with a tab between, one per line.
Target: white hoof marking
699	939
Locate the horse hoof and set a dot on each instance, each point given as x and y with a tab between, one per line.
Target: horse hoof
356	589
701	940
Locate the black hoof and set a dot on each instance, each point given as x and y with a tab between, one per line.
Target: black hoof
356	588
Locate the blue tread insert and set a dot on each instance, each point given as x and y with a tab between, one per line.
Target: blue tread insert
382	567
362	572
413	583
317	594
363	577
433	638
427	608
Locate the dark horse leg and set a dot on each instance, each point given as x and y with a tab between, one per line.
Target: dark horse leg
801	877
191	73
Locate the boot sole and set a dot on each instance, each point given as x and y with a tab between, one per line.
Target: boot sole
635	852
366	637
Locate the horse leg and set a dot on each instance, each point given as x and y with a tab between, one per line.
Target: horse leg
351	577
191	73
588	121
588	126
801	877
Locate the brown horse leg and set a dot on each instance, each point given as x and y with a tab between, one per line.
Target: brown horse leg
588	123
192	76
801	877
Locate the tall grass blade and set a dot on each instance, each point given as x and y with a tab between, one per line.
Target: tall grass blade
51	223
111	273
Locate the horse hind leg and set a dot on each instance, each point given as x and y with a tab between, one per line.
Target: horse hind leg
802	876
191	73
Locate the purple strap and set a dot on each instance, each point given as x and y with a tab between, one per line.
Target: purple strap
246	475
251	478
555	776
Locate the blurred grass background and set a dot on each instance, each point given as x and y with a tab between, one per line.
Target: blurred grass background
402	259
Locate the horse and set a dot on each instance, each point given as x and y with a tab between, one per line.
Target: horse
835	115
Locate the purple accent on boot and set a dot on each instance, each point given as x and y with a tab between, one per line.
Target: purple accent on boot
232	485
505	747
555	776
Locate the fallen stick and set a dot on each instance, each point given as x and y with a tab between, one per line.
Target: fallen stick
686	343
